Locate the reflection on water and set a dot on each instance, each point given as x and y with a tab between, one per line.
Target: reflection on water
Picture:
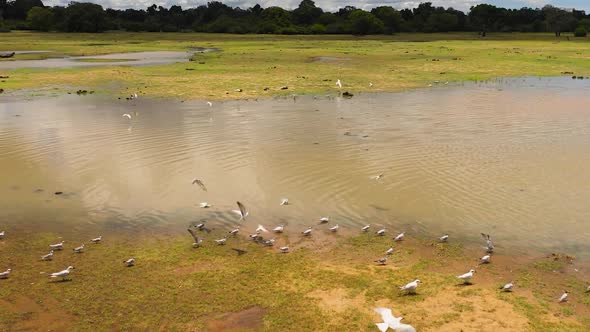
509	157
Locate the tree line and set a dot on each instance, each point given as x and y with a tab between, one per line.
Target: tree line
307	18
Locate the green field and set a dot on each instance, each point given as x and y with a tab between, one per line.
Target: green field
255	62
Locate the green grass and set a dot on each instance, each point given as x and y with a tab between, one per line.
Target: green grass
255	62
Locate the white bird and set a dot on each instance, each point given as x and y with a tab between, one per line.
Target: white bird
366	228
279	228
200	183
234	231
204	205
47	257
508	287
269	243
134	96
381	260
389	251
129	262
324	220
489	244
62	274
485	259
209	103
370	84
285	201
255	236
444	238
380	232
339	84
399	237
200	226
284	249
411	287
466	277
334	228
221	241
242	212
127	115
588	289
563	297
57	246
96	240
5	274
79	249
307	232
390	321
377	177
2	234
260	229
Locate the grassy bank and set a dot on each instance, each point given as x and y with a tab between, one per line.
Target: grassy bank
174	287
305	64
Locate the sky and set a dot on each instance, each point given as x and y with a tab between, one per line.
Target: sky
332	5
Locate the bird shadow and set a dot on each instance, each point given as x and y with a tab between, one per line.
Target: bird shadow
409	294
464	284
60	281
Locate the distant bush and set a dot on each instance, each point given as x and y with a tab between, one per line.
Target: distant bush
318	29
580	32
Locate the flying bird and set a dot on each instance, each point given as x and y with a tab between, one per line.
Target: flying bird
200	183
127	115
260	229
62	274
390	321
411	287
242	212
197	239
466	277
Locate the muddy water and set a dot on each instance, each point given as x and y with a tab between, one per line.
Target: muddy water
509	157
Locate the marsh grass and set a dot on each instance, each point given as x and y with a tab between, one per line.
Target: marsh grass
253	63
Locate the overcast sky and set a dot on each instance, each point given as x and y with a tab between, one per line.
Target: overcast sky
332	5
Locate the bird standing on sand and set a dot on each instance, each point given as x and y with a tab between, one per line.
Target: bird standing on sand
563	297
96	240
380	232
284	249
411	287
47	257
204	205
2	234
242	212
221	241
485	259
444	238
466	277
5	274
334	228
62	274
129	262
399	237
79	249
57	246
324	220
285	201
279	229
508	287
307	232
234	231
381	261
200	183
366	228
389	251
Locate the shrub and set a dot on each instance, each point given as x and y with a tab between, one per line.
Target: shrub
580	32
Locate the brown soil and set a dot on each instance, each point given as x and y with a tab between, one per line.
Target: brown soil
250	319
45	316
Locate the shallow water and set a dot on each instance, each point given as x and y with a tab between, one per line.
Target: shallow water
509	157
115	59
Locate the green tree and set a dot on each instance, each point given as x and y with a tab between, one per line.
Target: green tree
391	18
40	18
558	19
84	17
307	13
364	23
